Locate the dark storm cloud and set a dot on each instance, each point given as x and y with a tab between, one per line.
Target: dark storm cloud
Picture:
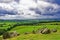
53	1
36	10
4	12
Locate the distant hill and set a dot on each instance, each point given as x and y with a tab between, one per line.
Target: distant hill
31	20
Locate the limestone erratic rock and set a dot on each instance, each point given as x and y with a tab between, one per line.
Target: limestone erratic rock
10	34
45	31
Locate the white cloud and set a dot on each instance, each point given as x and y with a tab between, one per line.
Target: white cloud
23	12
47	7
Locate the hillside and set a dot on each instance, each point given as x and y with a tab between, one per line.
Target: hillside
22	29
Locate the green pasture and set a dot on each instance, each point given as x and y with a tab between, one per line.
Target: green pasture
38	36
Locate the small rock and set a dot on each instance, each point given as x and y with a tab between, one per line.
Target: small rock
54	30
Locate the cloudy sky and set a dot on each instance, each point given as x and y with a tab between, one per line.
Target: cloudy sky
29	9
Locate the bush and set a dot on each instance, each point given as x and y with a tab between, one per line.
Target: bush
2	31
6	35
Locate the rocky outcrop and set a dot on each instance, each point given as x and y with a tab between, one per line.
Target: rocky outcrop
44	31
10	34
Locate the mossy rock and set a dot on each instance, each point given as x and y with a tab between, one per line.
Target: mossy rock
44	31
6	35
10	34
54	30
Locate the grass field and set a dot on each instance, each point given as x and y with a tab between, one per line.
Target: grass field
38	36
